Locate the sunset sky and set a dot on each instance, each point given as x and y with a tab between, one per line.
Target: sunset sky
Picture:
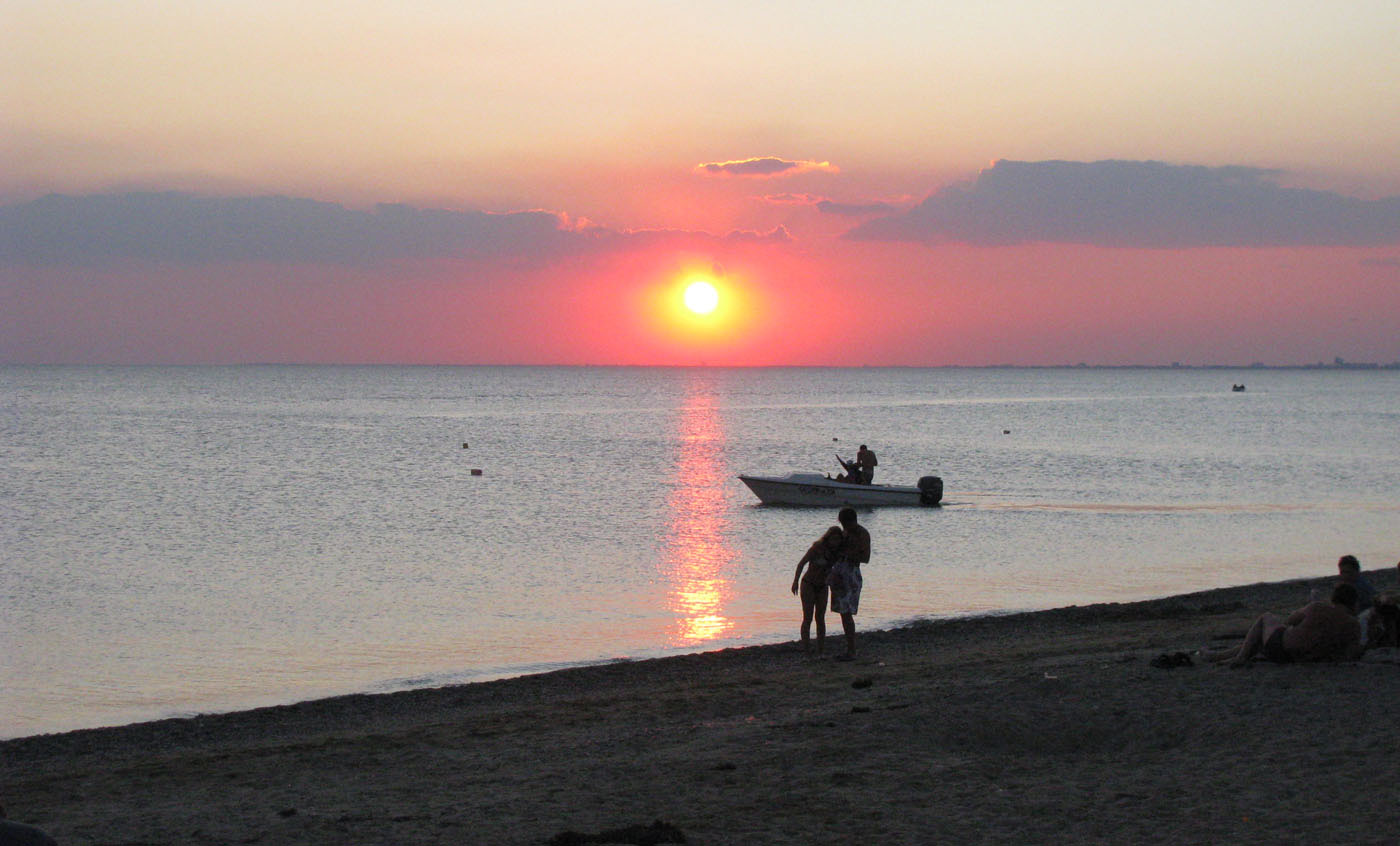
878	183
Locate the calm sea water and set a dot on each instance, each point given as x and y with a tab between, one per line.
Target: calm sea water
178	540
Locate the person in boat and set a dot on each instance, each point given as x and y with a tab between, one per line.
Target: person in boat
845	579
865	464
1319	631
812	587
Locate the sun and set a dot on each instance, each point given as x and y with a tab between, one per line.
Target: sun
696	316
701	297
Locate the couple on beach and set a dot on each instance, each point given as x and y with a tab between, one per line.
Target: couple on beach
1319	631
833	564
1337	629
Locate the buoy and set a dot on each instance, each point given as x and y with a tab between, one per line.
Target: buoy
464	444
476	471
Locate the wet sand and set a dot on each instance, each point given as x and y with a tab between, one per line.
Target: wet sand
1042	727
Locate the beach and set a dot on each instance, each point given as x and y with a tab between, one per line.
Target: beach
1050	726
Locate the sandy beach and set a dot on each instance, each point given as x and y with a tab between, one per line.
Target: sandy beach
1041	727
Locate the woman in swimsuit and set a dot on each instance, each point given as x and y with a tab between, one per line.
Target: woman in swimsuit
812	586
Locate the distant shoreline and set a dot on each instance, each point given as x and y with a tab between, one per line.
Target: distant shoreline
1176	366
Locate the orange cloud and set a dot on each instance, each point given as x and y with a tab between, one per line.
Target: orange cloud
791	199
763	167
826	205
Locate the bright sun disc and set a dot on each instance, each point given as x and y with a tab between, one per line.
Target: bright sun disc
701	297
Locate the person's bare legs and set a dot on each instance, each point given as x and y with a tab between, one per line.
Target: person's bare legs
813	608
808	608
848	625
1215	656
1254	641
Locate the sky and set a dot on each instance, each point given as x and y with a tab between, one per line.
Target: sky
884	183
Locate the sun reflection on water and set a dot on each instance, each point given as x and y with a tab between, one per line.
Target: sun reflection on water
697	551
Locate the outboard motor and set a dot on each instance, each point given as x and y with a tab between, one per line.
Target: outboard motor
930	490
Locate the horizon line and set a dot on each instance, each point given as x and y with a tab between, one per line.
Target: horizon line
1335	365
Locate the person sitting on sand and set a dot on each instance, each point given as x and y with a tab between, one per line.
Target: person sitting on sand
1349	571
1319	631
845	578
1380	624
812	586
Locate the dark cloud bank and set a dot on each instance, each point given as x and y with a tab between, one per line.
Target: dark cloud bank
191	229
186	228
1111	204
1137	204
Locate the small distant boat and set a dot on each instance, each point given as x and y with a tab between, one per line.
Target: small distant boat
1237	388
814	489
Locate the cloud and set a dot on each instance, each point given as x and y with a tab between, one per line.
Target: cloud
856	209
185	228
195	229
1137	204
826	205
791	199
763	167
776	235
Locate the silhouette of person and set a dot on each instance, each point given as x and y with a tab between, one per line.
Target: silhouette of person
866	461
812	586
845	580
1349	571
1319	631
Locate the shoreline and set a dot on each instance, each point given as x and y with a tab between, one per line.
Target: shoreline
1041	724
507	673
834	631
510	673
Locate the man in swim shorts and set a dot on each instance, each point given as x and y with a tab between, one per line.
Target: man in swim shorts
846	580
1274	650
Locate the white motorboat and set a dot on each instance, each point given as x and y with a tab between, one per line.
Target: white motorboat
817	490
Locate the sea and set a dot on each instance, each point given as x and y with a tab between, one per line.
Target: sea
185	540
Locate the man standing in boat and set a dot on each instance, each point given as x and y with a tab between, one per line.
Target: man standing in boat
845	578
866	462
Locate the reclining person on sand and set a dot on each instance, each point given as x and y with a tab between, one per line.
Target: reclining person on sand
1319	631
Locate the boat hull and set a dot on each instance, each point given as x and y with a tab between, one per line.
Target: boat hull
813	490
